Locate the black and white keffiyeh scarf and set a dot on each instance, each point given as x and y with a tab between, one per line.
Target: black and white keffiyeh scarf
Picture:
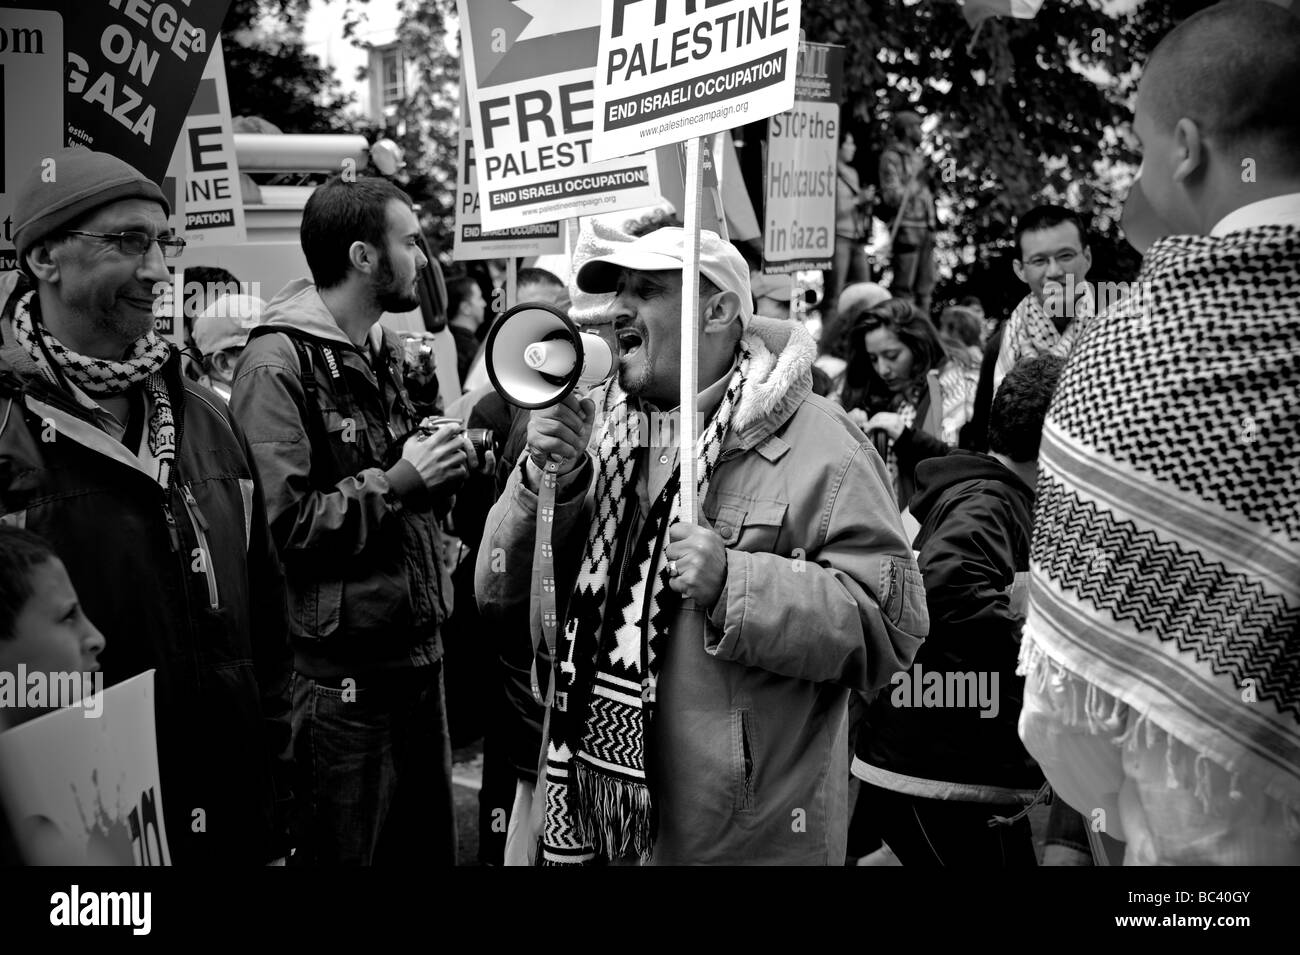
1032	332
99	377
1166	549
598	805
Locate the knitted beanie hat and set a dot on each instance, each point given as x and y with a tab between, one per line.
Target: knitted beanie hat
68	185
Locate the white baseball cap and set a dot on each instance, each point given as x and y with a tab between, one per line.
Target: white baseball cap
226	323
664	250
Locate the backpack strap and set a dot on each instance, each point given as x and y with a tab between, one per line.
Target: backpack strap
311	353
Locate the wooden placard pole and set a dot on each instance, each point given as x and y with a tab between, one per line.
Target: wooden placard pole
573	227
690	334
512	282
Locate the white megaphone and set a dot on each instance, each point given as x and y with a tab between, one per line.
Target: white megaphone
535	355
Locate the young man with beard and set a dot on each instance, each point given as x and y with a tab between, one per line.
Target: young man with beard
699	703
353	496
141	481
1161	642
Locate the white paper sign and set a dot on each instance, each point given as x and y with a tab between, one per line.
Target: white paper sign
213	204
799	184
82	791
529	70
31	107
672	70
471	240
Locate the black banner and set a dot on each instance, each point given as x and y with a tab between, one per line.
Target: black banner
132	70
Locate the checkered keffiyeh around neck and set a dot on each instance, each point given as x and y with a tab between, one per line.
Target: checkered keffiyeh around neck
1032	332
105	378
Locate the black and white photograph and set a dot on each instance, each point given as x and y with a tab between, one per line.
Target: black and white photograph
649	433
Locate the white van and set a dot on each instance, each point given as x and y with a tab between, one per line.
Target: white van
272	255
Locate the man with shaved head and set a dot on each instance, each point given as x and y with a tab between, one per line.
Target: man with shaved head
1162	697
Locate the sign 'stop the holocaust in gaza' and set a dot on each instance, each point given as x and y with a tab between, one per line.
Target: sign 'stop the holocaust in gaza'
671	70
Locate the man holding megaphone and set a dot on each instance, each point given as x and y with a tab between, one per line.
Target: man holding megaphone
697	712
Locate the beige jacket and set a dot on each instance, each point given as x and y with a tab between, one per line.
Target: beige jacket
748	754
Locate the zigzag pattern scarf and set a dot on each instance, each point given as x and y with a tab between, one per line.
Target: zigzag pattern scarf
106	378
598	805
1166	553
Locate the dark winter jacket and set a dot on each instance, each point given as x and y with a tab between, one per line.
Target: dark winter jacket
362	550
976	520
185	582
975	434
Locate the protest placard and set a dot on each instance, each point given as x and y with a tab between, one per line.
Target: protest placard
670	70
471	240
214	207
31	59
133	67
84	791
799	183
529	70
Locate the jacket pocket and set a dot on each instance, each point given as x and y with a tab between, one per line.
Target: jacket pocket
747	523
315	606
743	758
902	595
427	578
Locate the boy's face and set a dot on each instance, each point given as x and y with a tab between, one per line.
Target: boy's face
52	634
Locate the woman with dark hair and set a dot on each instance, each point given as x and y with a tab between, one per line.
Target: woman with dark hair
903	390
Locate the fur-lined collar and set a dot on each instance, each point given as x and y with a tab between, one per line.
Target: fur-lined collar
780	377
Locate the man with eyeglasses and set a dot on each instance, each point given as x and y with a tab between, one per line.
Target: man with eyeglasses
141	481
1053	259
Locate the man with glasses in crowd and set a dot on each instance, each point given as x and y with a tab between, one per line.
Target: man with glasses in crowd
1053	259
140	480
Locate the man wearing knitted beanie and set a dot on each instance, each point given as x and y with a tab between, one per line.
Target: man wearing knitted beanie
140	480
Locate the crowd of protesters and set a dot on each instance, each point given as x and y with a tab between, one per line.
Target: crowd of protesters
950	566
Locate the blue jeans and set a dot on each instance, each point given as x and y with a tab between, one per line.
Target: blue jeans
373	770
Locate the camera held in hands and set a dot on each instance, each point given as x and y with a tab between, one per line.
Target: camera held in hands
483	440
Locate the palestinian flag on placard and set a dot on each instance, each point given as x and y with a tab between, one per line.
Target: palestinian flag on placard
977	11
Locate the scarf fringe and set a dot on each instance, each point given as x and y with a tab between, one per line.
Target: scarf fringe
1080	703
614	815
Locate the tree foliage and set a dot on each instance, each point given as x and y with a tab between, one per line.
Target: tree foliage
274	77
1030	113
426	125
1033	111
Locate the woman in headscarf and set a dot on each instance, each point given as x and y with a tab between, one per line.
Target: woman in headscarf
903	390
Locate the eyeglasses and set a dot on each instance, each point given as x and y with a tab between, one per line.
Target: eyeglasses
138	243
1066	259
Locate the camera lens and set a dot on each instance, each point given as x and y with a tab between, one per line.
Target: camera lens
482	440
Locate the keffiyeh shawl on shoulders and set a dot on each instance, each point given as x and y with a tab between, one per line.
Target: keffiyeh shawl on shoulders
1166	551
